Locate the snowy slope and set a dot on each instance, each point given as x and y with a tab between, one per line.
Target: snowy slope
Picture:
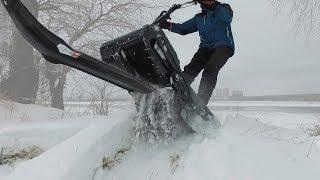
22	125
45	127
244	149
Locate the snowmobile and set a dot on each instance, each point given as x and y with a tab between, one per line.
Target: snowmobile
141	61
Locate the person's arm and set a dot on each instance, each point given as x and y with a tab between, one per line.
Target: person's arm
187	27
225	13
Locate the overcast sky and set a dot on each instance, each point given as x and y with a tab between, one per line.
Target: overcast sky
270	58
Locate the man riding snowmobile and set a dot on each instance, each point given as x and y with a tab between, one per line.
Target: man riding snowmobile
143	61
216	46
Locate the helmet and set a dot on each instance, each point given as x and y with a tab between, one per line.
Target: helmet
202	1
206	3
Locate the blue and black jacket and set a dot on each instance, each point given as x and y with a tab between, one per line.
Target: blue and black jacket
213	25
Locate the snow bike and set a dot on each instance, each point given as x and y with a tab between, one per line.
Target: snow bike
141	61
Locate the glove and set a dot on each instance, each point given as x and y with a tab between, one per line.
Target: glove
165	25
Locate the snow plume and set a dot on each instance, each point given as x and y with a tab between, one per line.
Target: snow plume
158	116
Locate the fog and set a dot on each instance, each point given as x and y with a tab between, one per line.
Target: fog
271	56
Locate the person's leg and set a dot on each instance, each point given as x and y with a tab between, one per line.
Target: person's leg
210	74
196	65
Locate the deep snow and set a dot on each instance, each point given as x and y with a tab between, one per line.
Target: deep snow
246	148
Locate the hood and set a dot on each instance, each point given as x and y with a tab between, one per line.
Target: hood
206	8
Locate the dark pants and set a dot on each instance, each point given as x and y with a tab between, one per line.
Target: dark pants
210	61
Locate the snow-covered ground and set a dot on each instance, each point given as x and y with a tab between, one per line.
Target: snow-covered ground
252	145
266	103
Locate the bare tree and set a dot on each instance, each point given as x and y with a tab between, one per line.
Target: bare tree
305	14
22	80
4	48
4	65
86	24
100	97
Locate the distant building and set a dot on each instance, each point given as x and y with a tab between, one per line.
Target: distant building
237	93
226	92
222	93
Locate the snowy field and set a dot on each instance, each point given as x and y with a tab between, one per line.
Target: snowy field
254	144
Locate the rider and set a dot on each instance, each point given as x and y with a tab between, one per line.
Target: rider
216	46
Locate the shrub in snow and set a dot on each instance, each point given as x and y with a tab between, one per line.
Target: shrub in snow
315	131
174	160
8	105
10	157
100	107
3	97
110	162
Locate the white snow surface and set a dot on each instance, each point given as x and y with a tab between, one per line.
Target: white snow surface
246	148
266	103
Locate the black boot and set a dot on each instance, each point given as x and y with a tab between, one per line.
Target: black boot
188	79
207	85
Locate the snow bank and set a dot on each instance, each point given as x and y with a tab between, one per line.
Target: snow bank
25	125
282	119
244	149
78	156
249	158
250	150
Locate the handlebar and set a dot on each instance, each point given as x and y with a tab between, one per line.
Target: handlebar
165	15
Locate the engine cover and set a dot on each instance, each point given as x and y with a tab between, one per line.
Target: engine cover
145	53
